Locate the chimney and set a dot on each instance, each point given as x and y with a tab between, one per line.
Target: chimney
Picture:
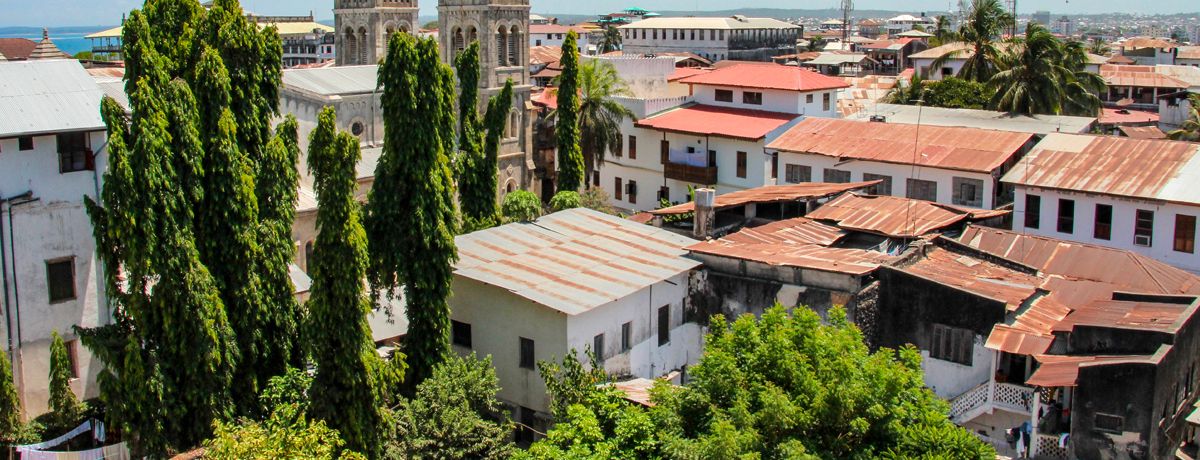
705	215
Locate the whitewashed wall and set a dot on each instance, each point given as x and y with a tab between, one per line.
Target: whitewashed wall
899	173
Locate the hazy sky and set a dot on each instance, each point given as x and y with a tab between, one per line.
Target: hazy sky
103	12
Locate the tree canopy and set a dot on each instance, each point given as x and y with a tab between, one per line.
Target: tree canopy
570	158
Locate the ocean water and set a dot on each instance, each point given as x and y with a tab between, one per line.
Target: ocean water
69	43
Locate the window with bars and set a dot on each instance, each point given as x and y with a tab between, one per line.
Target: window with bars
73	153
836	176
1143	228
952	344
741	164
968	192
922	190
883	188
60	279
1066	216
825	101
796	174
1102	230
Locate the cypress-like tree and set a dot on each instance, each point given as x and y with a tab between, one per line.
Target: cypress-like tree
411	218
277	183
10	404
344	389
63	401
478	204
495	120
566	127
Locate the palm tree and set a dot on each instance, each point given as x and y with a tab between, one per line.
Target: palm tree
1084	87
611	40
600	116
1042	75
942	33
1190	130
985	22
908	94
1099	46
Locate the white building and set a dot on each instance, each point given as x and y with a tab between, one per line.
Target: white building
1147	51
950	165
713	137
304	41
716	39
554	34
1038	125
924	60
573	280
1188	56
907	22
1133	194
52	155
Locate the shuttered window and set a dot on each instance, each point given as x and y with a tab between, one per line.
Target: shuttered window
951	344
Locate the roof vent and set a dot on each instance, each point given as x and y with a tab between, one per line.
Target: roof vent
878	118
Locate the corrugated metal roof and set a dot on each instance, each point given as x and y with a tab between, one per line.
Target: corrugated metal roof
1115	116
46	96
1142	132
306	200
977	276
767	76
955	148
301	283
771	194
328	81
894	216
1124	167
1188	52
1144	316
1136	76
718	121
114	32
838	59
969	118
368	162
1063	370
800	242
573	260
1017	341
1146	42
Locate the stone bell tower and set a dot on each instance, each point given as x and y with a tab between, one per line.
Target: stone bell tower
363	27
502	29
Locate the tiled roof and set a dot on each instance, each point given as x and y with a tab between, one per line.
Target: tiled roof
1117	166
956	148
718	121
768	76
771	194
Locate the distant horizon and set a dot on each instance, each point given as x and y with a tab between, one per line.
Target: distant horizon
62	13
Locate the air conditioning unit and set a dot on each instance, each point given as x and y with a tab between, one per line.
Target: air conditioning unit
1141	240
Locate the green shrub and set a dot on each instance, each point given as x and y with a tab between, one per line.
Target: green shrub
566	199
521	206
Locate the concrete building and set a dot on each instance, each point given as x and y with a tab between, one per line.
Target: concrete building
363	27
573	280
1147	51
923	60
1064	26
1134	194
716	39
304	40
906	22
350	90
714	136
1188	56
1041	17
52	155
554	34
1038	125
950	165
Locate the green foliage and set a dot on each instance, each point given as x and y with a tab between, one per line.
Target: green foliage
985	21
63	402
10	404
957	93
521	206
84	56
611	41
286	434
411	217
1043	75
785	386
599	115
570	383
565	200
597	199
466	68
451	415
1190	129
570	156
291	387
345	390
477	185
277	184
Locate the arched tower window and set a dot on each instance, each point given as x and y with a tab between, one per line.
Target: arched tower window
458	43
502	46
350	46
514	121
514	46
362	45
472	34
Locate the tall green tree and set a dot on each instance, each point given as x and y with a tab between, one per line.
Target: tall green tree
481	187
478	202
277	182
411	217
566	129
599	116
63	402
1042	75
611	41
942	32
344	389
985	21
10	404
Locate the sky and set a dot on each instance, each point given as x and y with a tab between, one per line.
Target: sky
49	13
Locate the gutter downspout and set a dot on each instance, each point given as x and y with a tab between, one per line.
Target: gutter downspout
8	330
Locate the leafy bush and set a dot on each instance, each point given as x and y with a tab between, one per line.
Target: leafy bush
286	434
521	206
597	199
566	199
957	93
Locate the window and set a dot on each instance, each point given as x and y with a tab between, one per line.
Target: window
595	178
922	190
808	98
631	190
632	147
60	277
723	95
825	102
1033	211
654	34
741	164
527	353
617	191
309	260
460	333
664	151
691	35
968	192
884	188
1185	233
1143	228
1066	216
528	419
951	344
598	347
664	325
25	143
836	176
947	72
1108	422
775	166
751	97
1103	228
721	36
73	358
796	174
626	336
73	153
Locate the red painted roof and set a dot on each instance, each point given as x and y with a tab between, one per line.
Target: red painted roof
1110	116
685	72
770	76
963	149
16	49
718	121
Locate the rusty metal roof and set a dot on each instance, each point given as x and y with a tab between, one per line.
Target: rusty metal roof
1017	341
894	216
1063	370
800	242
771	194
944	147
1126	75
1142	132
974	275
1145	316
1124	167
573	260
636	390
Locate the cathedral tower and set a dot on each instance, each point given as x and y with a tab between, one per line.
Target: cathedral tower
363	27
502	29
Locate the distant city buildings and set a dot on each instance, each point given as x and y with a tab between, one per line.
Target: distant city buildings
716	39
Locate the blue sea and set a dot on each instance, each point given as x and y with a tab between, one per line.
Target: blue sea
69	42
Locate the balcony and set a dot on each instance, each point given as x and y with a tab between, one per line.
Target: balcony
990	396
694	167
